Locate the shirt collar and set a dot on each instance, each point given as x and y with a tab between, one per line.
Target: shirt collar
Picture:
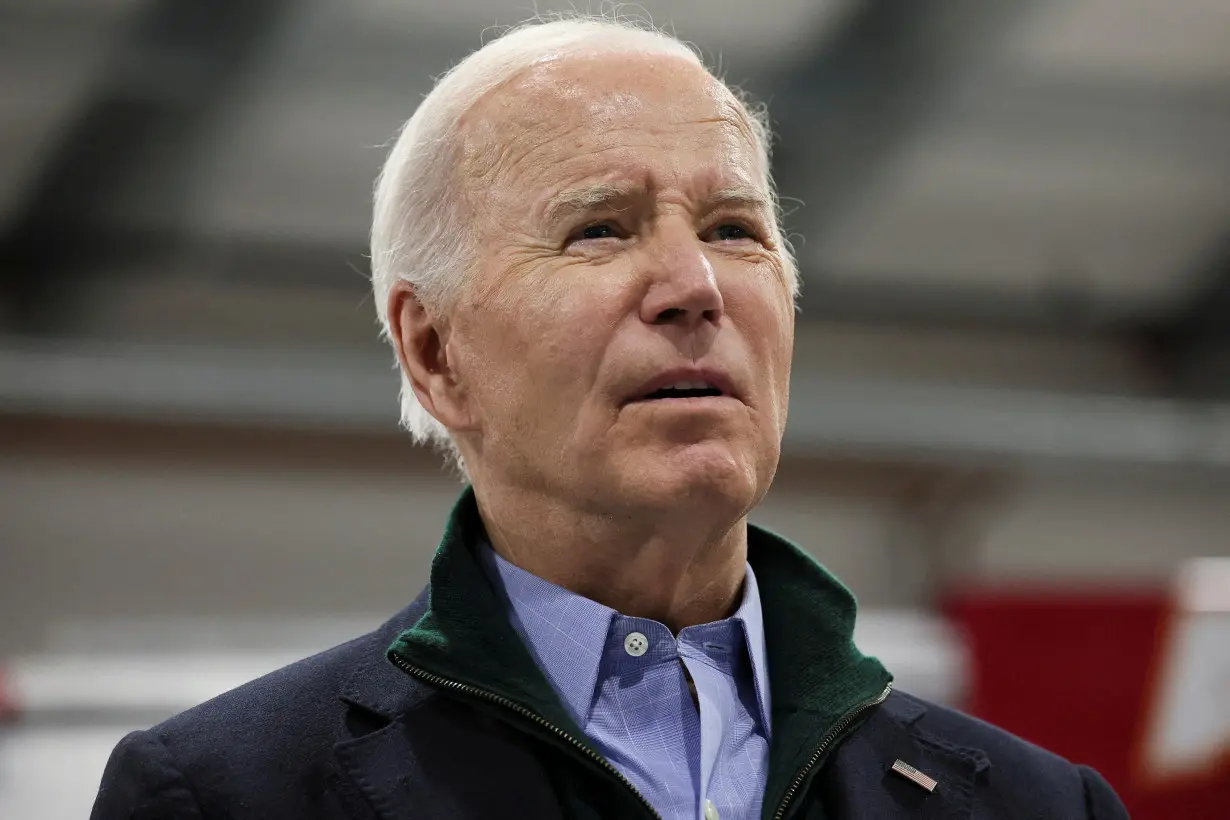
753	631
566	633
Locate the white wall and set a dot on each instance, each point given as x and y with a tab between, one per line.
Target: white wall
1092	525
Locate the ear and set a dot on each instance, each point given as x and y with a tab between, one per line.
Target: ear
422	349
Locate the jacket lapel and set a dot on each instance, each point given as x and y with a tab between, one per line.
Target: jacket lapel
378	756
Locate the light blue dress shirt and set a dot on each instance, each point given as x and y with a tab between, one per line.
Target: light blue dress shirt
622	680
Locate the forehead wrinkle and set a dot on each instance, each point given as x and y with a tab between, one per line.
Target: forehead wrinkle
495	152
502	129
727	181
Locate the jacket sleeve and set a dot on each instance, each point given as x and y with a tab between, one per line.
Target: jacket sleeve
142	782
1101	802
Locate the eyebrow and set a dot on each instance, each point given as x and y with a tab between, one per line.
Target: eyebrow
571	201
608	196
745	196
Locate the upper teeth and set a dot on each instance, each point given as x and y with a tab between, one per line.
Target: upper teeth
689	386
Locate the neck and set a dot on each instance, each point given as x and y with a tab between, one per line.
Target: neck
666	568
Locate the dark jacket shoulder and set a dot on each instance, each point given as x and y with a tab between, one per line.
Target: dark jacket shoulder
980	770
268	742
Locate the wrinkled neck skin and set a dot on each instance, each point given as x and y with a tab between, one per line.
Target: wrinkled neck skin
679	566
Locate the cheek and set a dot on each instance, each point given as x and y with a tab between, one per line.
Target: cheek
542	336
785	324
571	324
764	313
782	320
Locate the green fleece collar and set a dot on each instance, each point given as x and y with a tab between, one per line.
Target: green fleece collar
816	674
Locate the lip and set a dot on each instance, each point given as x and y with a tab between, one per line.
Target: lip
716	378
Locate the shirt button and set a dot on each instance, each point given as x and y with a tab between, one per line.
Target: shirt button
711	812
636	644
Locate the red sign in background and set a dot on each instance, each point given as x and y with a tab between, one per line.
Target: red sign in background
1078	673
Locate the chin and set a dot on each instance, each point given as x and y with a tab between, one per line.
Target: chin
707	474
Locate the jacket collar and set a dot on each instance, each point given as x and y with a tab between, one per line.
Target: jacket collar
816	674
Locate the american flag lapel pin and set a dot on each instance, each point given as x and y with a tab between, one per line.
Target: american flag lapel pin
914	775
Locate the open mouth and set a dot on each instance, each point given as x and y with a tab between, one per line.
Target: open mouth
684	390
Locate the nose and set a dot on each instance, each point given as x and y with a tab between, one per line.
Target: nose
684	290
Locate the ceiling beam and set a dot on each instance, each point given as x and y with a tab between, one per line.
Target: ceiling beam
841	115
168	72
1193	345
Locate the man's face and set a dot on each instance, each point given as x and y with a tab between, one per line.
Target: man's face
627	245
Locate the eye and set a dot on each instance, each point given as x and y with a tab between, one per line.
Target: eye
730	232
597	235
600	230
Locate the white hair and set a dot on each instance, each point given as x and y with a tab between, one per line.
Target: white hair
420	222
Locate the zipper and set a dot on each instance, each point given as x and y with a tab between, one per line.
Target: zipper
500	700
825	742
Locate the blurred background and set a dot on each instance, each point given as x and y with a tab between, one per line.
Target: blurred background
1010	430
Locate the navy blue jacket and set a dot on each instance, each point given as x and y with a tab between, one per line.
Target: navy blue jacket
440	713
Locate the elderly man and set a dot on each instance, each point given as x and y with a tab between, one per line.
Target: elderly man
578	261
